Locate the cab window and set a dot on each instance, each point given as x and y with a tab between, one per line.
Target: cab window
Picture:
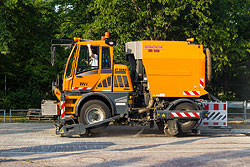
68	71
106	62
86	61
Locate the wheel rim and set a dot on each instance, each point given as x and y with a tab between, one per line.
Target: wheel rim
94	115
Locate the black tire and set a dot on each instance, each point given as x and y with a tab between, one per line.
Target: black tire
94	111
171	132
186	125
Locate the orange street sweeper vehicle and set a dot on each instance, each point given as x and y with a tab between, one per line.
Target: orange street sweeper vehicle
164	86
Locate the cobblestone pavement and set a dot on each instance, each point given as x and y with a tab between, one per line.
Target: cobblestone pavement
37	145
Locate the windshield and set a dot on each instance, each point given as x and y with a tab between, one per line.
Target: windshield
68	71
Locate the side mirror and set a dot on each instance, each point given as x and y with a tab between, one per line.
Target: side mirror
55	84
53	55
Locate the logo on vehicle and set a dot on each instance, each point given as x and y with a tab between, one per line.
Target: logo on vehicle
83	83
120	69
153	48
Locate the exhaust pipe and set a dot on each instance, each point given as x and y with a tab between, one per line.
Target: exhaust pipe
209	65
150	105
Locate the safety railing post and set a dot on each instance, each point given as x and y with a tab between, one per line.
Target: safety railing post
245	110
10	115
4	116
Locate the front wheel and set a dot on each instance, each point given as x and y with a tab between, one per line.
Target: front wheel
92	112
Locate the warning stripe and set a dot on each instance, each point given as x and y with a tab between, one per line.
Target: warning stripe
62	109
196	114
215	123
191	93
217	106
62	115
186	93
62	105
185	114
179	114
81	88
202	84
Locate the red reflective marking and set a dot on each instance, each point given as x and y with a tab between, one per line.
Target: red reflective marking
195	114
206	106
172	115
76	87
62	106
187	93
196	93
205	123
202	83
187	114
225	106
224	123
216	123
216	106
84	88
178	114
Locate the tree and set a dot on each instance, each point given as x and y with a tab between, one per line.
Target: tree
28	27
220	25
228	37
134	19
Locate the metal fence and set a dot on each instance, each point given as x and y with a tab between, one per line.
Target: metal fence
10	113
4	115
238	111
17	110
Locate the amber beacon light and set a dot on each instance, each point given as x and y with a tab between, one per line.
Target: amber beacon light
106	35
190	40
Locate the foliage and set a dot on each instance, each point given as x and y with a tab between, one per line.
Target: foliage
27	26
229	39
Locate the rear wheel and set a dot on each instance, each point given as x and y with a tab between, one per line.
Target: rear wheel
92	112
180	126
184	124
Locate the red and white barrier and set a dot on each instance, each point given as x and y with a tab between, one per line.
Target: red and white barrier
217	114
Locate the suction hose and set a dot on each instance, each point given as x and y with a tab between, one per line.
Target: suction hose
209	65
150	105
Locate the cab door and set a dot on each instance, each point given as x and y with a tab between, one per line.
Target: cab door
86	75
105	83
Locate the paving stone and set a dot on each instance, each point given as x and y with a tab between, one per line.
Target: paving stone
37	145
